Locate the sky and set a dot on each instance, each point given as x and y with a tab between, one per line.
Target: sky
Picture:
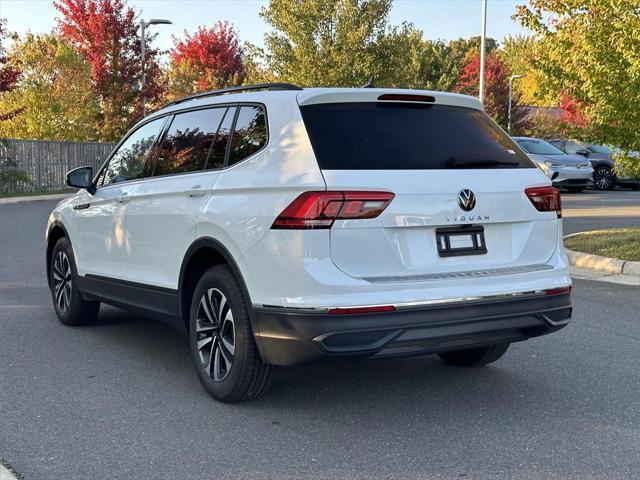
438	19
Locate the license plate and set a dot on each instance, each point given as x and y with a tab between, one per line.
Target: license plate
464	240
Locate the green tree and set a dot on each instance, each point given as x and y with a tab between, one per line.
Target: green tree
327	42
593	57
54	92
521	53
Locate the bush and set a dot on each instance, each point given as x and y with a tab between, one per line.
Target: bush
10	174
627	164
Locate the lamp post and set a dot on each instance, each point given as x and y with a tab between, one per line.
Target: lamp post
483	49
511	79
143	48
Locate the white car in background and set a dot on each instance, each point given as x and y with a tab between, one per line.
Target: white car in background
573	172
277	225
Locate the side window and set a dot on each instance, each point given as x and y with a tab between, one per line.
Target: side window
216	159
188	140
572	147
249	134
130	160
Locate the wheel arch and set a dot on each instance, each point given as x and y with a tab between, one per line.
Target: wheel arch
203	254
55	232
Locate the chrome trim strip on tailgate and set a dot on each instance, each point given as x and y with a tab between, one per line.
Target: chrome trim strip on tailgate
489	272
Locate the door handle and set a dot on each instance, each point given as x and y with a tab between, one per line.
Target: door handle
124	198
196	191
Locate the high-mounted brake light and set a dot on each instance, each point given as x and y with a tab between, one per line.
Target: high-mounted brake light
321	209
545	199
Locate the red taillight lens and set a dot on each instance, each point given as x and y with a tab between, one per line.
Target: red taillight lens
545	199
558	291
321	209
355	310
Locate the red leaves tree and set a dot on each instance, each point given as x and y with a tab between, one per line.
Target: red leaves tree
572	112
209	59
9	74
105	33
496	90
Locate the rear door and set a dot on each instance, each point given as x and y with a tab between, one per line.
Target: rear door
459	183
164	211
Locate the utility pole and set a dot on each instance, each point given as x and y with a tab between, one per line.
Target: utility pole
511	79
143	53
483	49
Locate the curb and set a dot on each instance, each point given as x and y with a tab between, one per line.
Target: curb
6	473
12	200
601	264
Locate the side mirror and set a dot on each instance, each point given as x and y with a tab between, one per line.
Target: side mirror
584	152
82	177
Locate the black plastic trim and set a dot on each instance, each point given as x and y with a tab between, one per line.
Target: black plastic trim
289	336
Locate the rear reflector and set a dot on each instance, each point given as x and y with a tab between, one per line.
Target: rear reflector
558	291
545	199
351	310
321	209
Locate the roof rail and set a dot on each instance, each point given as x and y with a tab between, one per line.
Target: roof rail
239	89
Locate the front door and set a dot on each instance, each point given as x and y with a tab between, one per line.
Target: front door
103	240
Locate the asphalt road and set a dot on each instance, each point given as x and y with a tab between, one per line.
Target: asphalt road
120	399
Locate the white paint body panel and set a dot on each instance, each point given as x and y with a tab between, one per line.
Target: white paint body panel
145	240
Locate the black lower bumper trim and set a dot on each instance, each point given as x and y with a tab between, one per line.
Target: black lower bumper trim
288	337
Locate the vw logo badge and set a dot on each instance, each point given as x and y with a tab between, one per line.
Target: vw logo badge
466	200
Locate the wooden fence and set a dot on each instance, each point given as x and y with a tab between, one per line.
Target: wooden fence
46	163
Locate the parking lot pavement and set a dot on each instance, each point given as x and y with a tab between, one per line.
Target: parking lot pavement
592	210
120	399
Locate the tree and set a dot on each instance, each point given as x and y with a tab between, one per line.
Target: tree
593	57
496	98
207	60
54	92
105	33
326	42
9	72
520	53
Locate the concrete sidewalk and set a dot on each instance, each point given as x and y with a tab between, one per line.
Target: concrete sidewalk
32	198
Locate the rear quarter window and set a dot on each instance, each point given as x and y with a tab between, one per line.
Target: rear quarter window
397	136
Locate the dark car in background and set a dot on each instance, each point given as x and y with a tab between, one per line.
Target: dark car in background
601	158
572	172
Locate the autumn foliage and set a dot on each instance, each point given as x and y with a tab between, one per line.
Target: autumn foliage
105	32
496	89
209	59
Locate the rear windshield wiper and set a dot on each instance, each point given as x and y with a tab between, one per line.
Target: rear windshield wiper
454	162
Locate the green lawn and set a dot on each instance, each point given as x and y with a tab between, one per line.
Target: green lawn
622	243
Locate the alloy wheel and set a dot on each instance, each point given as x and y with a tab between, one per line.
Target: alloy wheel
603	178
62	281
215	334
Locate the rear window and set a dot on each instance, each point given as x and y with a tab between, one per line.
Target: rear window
399	136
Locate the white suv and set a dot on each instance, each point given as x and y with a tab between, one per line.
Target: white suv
278	225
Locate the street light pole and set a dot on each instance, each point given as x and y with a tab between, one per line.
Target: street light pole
511	79
143	53
483	49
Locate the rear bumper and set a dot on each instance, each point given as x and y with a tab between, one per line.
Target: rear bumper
288	336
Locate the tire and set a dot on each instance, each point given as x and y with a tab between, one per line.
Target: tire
222	343
68	303
576	189
477	357
603	178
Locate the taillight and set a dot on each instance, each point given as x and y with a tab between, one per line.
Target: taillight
321	209
545	199
558	291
